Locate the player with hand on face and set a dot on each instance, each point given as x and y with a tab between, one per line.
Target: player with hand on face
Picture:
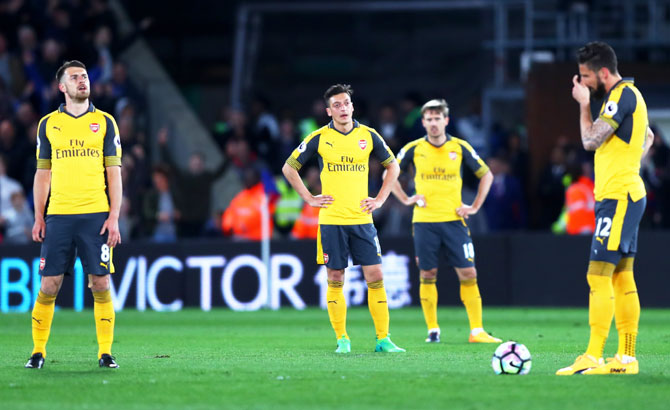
620	136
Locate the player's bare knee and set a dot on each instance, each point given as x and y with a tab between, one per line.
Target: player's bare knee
335	274
51	284
373	273
428	274
466	273
99	283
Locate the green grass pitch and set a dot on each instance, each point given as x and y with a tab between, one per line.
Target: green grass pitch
284	360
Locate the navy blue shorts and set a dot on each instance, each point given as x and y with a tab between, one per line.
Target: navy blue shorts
453	236
69	236
617	223
334	244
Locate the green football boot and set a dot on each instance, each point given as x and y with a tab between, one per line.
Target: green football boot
385	345
343	345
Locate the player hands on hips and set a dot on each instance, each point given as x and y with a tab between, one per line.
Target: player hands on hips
439	217
344	147
83	212
620	137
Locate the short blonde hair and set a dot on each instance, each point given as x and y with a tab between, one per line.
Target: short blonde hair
436	105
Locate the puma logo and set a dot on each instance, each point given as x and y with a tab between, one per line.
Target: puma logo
332	301
104	265
601	240
39	321
56	128
330	143
106	319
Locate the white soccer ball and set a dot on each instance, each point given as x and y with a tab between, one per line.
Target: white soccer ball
511	358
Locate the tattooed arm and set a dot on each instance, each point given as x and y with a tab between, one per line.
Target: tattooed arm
593	133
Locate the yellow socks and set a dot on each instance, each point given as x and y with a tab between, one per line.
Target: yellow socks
601	305
103	310
337	308
379	308
43	314
428	296
472	301
626	307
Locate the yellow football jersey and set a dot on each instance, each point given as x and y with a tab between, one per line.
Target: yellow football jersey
617	160
438	175
77	150
343	159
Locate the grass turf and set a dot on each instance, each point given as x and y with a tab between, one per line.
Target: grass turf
284	359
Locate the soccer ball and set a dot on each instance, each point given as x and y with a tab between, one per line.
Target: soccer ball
511	358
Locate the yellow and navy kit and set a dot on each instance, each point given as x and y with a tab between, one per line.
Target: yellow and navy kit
438	175
343	159
77	150
617	160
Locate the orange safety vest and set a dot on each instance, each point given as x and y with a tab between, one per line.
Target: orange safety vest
580	204
307	225
243	215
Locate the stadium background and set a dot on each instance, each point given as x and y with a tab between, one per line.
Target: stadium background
240	83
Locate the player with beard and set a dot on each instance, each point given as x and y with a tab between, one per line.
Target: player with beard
620	137
79	173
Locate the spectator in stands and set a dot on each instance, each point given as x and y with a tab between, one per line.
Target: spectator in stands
18	220
411	123
265	129
15	149
243	219
5	101
288	207
505	209
288	140
193	188
8	186
307	225
519	161
656	174
103	67
578	216
50	61
551	188
388	125
315	120
11	69
160	210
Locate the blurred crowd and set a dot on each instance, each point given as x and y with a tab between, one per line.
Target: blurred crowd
164	201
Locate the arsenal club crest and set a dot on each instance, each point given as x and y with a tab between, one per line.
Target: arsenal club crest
363	144
453	155
325	258
43	262
94	126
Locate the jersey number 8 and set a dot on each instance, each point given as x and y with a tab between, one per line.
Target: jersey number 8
104	253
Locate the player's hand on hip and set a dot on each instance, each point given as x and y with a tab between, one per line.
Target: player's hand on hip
113	236
580	92
418	199
39	229
370	204
464	211
320	201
